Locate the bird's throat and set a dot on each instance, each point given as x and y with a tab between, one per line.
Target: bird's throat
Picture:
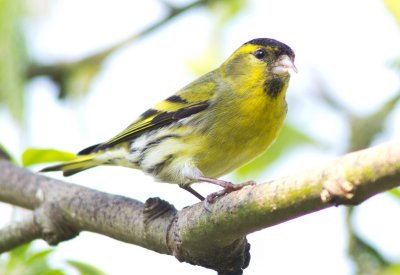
273	87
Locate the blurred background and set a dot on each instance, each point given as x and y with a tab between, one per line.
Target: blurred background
75	73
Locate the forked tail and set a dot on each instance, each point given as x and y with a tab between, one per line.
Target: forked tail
72	167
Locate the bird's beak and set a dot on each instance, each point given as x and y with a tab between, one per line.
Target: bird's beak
284	66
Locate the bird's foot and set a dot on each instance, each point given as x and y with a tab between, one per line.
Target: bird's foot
227	186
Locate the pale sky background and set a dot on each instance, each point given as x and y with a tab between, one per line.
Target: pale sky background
349	44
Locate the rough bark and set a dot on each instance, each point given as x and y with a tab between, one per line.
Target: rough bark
215	239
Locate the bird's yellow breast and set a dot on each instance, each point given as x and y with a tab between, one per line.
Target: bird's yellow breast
247	126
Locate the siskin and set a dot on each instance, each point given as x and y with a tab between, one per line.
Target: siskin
212	126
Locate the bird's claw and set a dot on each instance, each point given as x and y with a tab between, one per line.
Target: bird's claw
228	188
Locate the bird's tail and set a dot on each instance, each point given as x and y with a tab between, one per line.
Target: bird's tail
74	166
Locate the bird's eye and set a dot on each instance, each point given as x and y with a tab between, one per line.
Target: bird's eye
260	53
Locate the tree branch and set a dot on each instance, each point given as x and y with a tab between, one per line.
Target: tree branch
19	232
215	240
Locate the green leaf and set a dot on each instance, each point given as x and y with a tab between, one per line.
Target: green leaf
39	256
16	256
85	269
23	261
289	138
37	156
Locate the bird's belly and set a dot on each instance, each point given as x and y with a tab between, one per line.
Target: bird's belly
240	141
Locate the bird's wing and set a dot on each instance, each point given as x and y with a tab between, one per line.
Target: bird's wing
189	101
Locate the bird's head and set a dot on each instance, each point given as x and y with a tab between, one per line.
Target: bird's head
258	61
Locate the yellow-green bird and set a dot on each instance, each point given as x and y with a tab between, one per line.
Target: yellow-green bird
214	125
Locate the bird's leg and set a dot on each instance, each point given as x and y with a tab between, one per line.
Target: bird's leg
228	188
192	191
226	184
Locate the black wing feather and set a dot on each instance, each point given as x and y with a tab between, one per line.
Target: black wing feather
160	120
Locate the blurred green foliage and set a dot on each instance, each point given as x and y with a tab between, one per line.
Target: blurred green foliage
85	269
394	7
364	129
13	57
24	260
395	193
221	13
225	10
366	258
391	270
73	78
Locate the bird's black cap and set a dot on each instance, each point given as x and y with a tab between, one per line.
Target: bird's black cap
269	42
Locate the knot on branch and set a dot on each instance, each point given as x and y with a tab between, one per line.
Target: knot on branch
154	208
228	260
236	259
53	227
